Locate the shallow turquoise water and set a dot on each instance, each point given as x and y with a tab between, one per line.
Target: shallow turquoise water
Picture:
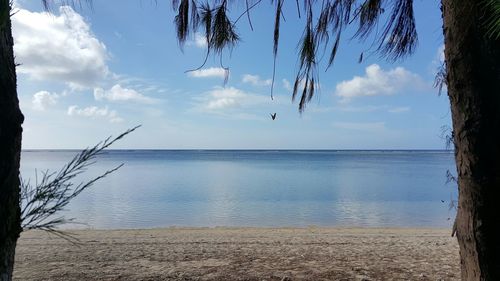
161	188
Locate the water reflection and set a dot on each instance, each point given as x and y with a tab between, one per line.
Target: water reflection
260	188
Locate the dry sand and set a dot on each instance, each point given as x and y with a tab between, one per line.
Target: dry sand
241	254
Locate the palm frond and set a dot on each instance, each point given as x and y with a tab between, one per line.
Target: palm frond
492	18
279	6
307	65
399	37
440	81
223	31
181	21
334	50
195	17
206	21
277	17
369	13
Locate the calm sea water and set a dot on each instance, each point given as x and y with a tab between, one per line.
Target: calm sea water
161	188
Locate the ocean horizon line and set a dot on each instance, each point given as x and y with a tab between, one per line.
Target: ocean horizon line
242	149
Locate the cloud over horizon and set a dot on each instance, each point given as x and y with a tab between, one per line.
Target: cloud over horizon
221	99
360	126
255	80
287	85
43	99
119	94
212	72
199	41
94	112
376	81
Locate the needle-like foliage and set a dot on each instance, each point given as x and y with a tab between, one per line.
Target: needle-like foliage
41	203
440	78
492	18
397	38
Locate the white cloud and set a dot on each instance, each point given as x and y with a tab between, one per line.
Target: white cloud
372	108
220	99
223	102
43	99
59	47
94	112
255	80
287	85
217	72
119	94
440	55
360	126
199	41
377	82
366	108
400	109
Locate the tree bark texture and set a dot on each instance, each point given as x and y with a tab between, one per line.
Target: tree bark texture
11	119
473	80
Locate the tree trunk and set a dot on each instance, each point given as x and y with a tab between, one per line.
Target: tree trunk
10	147
473	69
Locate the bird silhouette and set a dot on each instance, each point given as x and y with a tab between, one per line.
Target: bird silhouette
273	116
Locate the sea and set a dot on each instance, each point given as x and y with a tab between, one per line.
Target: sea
257	188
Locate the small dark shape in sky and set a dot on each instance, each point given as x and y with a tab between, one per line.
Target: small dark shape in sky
273	115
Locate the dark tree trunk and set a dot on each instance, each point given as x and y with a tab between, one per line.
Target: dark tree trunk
473	68
10	147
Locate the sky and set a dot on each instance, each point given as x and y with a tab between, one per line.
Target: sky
86	73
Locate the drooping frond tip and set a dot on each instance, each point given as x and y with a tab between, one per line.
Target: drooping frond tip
182	21
399	37
368	14
277	18
219	30
223	31
307	67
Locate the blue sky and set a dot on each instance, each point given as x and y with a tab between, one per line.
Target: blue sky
86	74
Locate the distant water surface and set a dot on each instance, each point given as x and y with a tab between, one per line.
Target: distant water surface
162	188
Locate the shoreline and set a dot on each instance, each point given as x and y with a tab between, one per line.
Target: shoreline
241	253
319	227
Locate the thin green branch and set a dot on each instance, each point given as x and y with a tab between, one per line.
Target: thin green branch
41	202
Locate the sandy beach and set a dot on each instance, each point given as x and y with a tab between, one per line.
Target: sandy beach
241	254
